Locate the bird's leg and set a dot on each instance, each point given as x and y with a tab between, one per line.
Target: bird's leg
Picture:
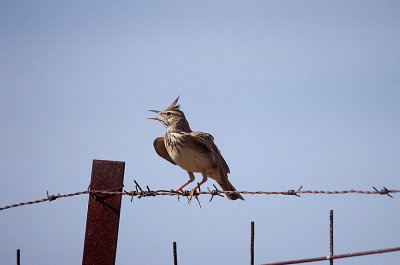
198	186
191	176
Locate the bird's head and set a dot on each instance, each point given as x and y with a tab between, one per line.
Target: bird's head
172	117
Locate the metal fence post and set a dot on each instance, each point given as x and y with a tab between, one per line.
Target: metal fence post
103	213
18	257
331	236
252	244
175	253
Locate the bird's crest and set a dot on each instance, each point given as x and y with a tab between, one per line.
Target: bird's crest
173	105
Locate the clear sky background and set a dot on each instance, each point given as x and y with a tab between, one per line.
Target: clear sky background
294	92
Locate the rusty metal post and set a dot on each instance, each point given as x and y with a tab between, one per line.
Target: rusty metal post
175	254
252	244
331	236
103	213
18	257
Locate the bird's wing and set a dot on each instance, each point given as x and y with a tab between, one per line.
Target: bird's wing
159	146
209	140
205	141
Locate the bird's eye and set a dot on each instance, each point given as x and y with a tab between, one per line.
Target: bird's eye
169	113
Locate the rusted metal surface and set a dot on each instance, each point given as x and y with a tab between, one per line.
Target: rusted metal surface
103	213
252	244
331	236
175	254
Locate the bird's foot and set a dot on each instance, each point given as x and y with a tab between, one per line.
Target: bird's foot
193	193
178	192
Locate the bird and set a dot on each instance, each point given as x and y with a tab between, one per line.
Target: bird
194	152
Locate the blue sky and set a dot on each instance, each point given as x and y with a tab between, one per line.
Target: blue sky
294	92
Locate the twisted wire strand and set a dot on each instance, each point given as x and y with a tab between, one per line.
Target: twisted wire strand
153	193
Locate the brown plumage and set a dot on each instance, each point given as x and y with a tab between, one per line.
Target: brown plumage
192	151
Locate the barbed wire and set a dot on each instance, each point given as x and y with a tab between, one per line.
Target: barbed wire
140	193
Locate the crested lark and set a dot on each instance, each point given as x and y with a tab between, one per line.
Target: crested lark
192	151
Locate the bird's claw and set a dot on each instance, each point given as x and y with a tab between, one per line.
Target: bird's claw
178	192
193	193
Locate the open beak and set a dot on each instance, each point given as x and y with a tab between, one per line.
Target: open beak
157	119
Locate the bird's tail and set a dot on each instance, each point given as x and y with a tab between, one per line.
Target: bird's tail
229	187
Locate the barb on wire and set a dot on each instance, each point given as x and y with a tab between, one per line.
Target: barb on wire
130	193
215	192
383	191
185	193
140	193
52	197
137	186
293	192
